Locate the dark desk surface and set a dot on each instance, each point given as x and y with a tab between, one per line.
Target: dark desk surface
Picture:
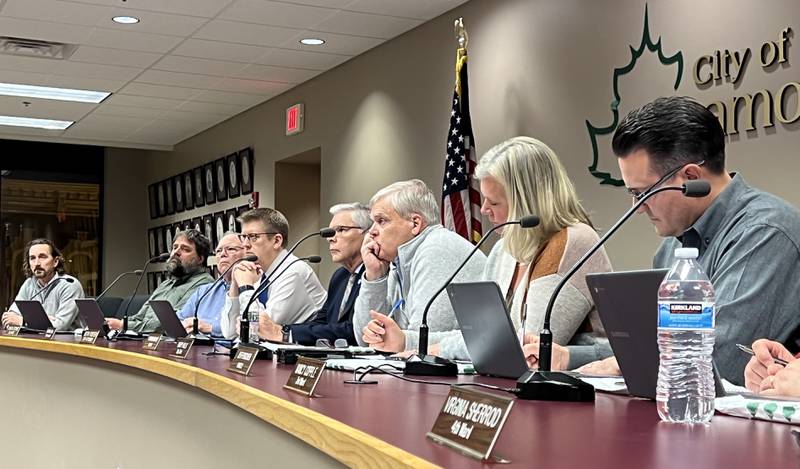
614	431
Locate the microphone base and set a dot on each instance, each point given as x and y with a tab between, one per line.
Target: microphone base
553	386
201	339
129	335
431	365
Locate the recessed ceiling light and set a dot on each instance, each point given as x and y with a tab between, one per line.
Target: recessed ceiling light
48	124
312	41
47	92
125	19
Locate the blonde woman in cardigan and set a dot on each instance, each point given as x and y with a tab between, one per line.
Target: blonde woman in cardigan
523	176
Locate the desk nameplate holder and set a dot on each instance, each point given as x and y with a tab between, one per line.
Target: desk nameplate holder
13	330
470	422
305	376
50	333
152	341
243	360
89	336
182	347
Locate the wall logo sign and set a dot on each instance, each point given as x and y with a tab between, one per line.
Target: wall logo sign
721	67
595	131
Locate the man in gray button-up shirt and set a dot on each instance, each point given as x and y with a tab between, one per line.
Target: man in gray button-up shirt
748	240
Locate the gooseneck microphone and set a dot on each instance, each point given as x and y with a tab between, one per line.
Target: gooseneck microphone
431	365
544	384
244	321
124	332
119	277
195	322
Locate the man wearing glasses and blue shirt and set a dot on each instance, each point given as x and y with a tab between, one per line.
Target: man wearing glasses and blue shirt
294	294
748	240
229	250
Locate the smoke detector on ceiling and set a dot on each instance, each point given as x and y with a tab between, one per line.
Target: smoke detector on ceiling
36	48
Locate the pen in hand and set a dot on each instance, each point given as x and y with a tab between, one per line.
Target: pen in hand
748	350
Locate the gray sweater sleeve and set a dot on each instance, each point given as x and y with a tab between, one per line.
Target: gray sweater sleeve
67	310
371	295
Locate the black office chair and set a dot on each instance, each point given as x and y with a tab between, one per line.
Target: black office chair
136	305
109	305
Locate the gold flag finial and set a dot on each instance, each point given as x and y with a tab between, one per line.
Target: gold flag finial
461	52
461	33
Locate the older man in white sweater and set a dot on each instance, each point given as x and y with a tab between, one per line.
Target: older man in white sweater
407	256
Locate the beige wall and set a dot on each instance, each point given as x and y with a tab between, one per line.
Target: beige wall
297	196
541	68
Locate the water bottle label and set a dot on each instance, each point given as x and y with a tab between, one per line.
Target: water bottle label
682	315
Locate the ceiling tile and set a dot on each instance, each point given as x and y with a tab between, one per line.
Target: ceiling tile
227	97
323	3
28	64
57	12
44	108
129	40
365	24
128	111
204	8
259	87
335	43
279	74
85	83
301	59
188	80
216	108
97	121
102	55
201	66
107	72
194	117
150	22
142	101
219	50
276	13
44	31
419	9
159	91
245	33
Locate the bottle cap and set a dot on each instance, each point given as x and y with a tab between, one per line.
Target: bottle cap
686	253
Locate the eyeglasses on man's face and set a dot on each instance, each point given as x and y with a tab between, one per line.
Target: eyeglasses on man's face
253	237
228	250
637	195
342	229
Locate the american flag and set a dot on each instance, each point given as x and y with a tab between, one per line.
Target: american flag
461	200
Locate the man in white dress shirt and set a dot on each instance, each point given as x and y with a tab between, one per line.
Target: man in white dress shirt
294	294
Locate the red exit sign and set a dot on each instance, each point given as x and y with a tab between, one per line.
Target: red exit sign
294	119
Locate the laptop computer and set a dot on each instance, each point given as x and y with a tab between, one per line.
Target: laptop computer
169	320
91	314
33	315
490	337
627	303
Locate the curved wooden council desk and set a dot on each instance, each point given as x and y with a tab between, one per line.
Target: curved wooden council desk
113	405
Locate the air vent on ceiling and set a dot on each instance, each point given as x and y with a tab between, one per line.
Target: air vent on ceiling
36	48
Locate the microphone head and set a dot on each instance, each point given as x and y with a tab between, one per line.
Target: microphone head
314	259
529	221
250	258
696	188
138	272
68	279
327	232
162	257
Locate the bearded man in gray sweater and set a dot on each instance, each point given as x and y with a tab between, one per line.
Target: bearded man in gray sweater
407	256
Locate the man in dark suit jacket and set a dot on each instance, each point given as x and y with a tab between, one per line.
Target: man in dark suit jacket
335	319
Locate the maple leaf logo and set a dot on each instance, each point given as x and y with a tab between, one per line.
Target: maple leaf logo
594	131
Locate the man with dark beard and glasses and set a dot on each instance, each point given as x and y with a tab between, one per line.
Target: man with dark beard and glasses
187	270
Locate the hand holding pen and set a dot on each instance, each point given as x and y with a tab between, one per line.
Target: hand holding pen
769	358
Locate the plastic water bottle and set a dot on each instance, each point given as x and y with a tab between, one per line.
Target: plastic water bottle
252	318
685	389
